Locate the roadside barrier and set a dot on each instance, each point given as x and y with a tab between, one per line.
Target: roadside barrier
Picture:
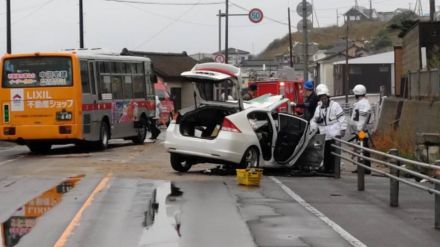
355	154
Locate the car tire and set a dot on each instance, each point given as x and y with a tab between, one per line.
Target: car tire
180	163
39	148
251	158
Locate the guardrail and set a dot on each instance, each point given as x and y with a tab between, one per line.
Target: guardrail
394	163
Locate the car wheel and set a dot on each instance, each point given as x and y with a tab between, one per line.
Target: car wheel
141	131
104	136
180	163
251	158
39	148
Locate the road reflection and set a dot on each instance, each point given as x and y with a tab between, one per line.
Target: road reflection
164	227
24	219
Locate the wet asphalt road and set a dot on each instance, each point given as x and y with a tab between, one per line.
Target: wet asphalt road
123	200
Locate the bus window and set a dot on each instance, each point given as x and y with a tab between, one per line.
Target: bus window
92	77
117	87
85	82
140	68
132	68
139	86
37	72
105	84
119	68
128	87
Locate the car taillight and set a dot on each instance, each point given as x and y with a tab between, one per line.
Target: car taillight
229	126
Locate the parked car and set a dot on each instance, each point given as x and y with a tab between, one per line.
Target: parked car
166	104
220	128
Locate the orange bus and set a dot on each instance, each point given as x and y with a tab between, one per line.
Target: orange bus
81	97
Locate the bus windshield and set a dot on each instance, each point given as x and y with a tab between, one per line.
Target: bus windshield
37	72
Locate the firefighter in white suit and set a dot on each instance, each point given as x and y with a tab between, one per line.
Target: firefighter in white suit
329	119
361	118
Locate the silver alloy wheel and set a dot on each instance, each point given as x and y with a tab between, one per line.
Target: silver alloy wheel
104	137
251	158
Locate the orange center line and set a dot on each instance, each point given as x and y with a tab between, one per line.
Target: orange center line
74	222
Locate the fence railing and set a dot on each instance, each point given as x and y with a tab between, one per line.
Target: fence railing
356	154
423	84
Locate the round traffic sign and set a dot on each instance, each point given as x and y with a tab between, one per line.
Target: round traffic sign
220	58
255	15
301	11
300	25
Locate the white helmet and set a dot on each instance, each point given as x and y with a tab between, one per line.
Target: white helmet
359	89
322	89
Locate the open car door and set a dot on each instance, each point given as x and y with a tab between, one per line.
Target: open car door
296	143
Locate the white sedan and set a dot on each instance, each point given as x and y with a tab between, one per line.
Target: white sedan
220	128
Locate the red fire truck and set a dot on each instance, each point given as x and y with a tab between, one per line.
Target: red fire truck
293	90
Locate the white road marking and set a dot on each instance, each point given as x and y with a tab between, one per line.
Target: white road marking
343	233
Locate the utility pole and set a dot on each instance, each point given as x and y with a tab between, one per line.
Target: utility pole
8	26
290	39
219	30
431	9
81	25
371	10
337	17
226	32
306	41
346	70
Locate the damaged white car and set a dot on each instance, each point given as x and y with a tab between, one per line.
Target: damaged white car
222	129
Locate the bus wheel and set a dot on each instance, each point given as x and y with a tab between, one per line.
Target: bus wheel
104	136
39	148
141	132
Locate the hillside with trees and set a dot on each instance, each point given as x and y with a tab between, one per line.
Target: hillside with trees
377	36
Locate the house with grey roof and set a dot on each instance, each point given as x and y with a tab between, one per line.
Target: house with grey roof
374	72
235	56
359	13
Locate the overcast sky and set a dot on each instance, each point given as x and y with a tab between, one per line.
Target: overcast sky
48	25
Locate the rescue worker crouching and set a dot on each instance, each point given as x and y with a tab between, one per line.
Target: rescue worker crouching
329	119
361	118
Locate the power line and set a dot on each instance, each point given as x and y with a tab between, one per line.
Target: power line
265	16
168	17
169	3
33	12
165	27
181	21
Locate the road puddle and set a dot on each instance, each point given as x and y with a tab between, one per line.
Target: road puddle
163	228
25	218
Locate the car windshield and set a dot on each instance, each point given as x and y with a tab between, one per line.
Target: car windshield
37	72
223	90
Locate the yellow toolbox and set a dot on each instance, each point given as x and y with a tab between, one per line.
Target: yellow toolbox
249	176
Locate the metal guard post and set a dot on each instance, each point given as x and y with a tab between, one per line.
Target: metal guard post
394	184
437	198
